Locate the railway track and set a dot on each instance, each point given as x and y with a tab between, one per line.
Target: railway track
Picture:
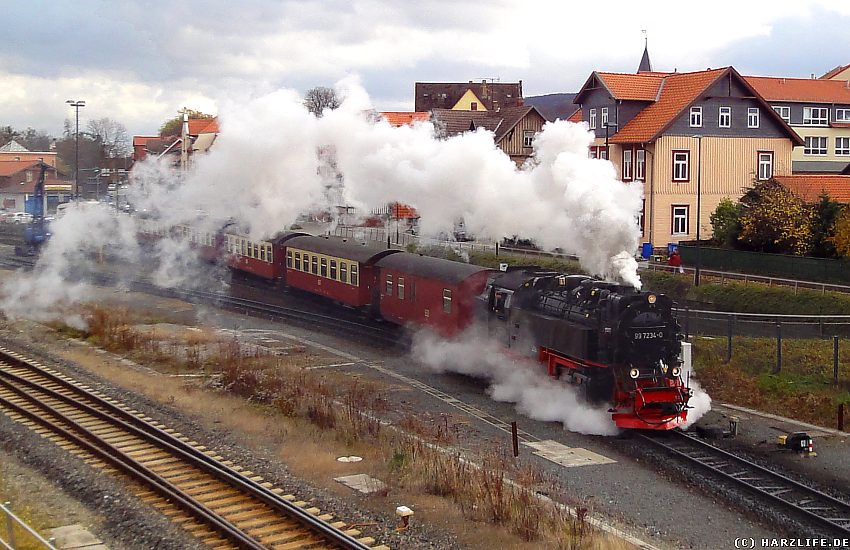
816	507
212	499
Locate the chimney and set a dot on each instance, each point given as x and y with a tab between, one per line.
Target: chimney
813	76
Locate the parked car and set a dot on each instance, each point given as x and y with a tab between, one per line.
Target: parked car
16	217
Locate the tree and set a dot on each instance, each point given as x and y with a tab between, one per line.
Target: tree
841	233
173	126
32	139
826	212
91	153
774	220
112	135
725	221
317	99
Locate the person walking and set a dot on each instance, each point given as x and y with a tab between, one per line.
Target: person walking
675	261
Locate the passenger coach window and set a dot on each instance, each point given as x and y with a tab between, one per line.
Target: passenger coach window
447	300
315	265
401	288
288	257
343	275
389	291
269	255
333	269
324	267
297	260
354	279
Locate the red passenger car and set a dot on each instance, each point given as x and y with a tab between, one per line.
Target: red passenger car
432	292
336	269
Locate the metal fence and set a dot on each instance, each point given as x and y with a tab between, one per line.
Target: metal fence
722	277
11	521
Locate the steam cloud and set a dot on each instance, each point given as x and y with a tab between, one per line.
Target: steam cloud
511	380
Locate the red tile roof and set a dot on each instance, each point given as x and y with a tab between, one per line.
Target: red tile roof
203	126
800	89
809	188
835	71
677	91
12	167
576	116
636	87
142	140
397	118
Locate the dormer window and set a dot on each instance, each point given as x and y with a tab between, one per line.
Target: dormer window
473	106
696	117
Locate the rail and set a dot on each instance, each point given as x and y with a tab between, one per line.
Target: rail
9	542
810	503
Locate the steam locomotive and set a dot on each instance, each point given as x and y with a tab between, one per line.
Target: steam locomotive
618	344
621	346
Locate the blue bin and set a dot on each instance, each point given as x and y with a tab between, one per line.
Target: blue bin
646	251
672	247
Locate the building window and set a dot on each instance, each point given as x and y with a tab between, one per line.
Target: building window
842	146
642	220
765	165
473	106
343	272
401	288
592	119
724	117
842	115
681	168
288	259
527	138
627	164
680	220
333	270
298	261
753	117
696	117
640	164
447	300
815	116
784	112
815	145
354	280
324	267
29	176
604	117
598	152
389	287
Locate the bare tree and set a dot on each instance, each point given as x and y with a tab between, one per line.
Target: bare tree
112	135
317	99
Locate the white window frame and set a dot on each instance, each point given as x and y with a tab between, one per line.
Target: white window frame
765	165
696	117
842	115
815	116
627	164
842	146
527	138
604	117
724	114
640	164
681	159
752	117
592	119
819	150
784	112
680	214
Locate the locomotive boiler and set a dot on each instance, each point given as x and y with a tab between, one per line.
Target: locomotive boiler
619	345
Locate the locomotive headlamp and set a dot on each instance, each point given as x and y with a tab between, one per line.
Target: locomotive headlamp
675	371
634	373
651	298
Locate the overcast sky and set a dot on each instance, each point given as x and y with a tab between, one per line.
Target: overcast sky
140	62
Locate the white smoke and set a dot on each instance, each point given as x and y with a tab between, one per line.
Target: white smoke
514	380
700	404
85	235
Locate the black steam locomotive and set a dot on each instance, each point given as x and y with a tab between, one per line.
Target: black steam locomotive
618	344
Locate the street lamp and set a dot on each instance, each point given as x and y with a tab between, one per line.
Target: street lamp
76	104
699	196
606	126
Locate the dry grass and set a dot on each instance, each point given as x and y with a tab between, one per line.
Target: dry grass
486	487
23	507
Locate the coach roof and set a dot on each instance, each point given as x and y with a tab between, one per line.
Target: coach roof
430	267
340	248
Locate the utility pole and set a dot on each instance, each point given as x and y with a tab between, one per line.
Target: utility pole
76	104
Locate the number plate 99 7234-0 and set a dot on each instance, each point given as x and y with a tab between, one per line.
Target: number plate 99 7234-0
651	334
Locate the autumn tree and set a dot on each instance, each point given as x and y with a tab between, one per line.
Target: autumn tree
112	136
725	222
173	126
840	237
317	99
774	220
826	212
